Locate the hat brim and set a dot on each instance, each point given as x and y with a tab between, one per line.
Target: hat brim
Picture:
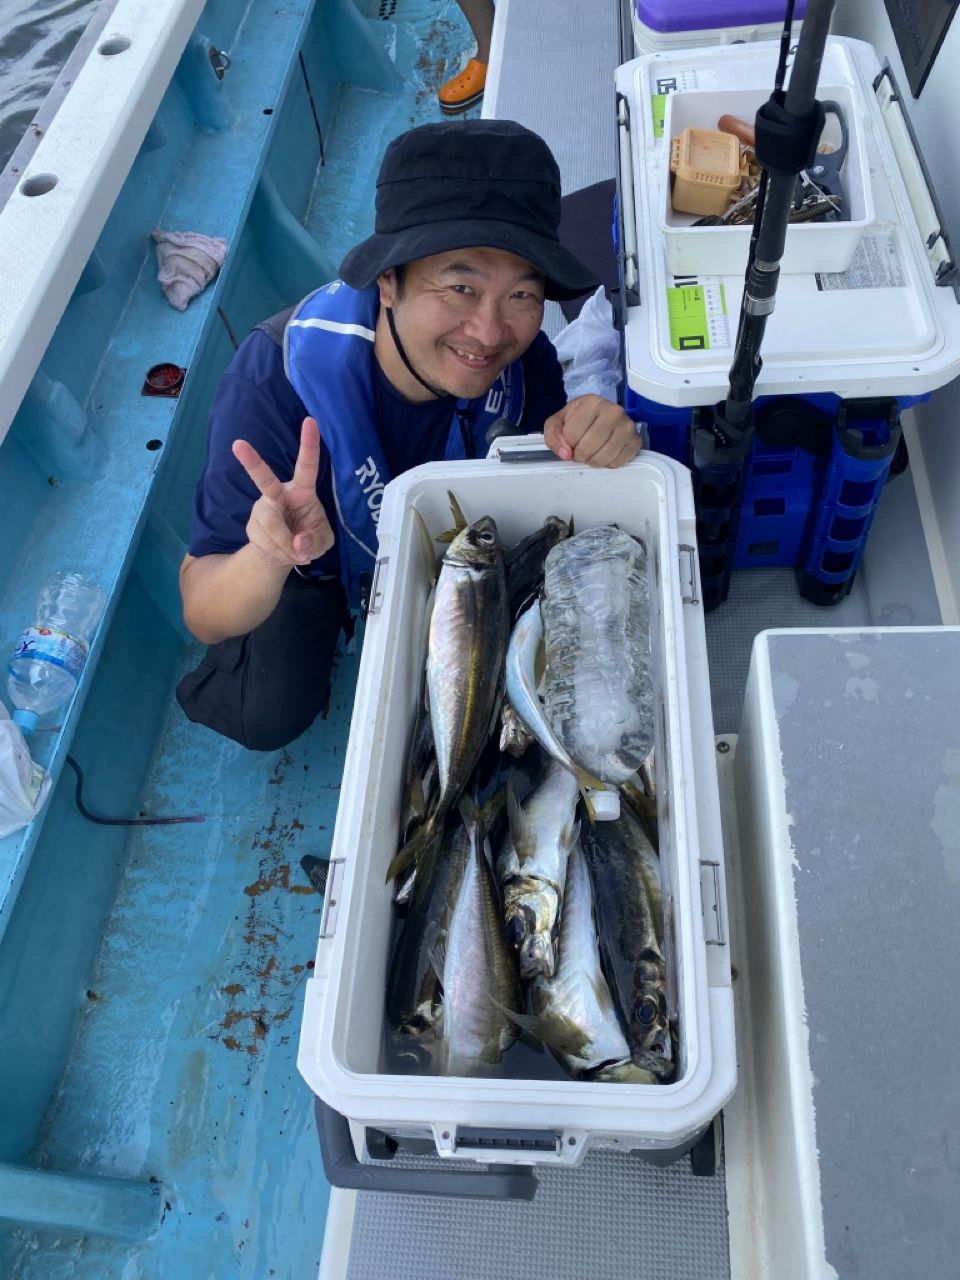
566	276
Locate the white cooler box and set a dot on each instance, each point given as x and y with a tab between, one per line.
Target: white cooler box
341	1042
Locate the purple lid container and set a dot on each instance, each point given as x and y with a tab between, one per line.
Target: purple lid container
706	15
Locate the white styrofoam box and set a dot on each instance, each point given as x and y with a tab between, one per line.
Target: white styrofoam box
810	246
341	1044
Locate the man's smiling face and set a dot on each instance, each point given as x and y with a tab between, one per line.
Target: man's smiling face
462	317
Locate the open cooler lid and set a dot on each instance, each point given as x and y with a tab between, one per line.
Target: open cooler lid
704	15
883	327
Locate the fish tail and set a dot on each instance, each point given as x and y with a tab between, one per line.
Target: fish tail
417	848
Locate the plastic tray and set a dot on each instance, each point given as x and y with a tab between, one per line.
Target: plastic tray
341	1040
810	246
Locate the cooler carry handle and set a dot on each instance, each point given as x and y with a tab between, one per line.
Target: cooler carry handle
343	1169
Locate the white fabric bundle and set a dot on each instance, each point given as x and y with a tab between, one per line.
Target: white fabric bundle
589	351
187	262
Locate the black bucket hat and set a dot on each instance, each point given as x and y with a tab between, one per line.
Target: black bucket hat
467	184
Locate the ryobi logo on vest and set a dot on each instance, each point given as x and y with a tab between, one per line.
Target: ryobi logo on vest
372	487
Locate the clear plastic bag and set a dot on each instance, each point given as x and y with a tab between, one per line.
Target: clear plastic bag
23	784
589	351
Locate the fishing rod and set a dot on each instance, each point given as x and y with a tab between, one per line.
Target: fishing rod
788	128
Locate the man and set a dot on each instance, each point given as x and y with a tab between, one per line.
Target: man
430	335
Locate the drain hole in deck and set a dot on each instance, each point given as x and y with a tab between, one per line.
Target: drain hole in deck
153	445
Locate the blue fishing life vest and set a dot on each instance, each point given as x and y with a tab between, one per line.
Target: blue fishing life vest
328	355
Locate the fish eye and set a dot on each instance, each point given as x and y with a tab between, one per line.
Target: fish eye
486	537
647	1011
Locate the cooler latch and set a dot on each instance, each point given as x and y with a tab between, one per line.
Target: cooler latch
689	590
376	586
710	898
331	898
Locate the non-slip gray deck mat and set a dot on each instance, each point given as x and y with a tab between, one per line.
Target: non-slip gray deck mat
894	588
613	1217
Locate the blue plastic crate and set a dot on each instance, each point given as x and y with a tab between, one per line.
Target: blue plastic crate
809	504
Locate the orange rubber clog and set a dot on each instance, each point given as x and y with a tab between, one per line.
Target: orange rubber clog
463	90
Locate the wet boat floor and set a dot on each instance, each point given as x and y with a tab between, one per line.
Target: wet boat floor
183	1066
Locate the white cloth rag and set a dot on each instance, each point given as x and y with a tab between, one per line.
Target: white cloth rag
187	262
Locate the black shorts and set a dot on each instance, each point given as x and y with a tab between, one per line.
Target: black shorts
264	689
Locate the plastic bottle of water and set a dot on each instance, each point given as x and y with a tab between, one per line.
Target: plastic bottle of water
598	688
47	660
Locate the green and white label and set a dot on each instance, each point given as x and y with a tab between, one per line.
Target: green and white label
658	109
698	317
667	83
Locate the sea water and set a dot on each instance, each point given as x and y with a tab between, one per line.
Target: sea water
36	38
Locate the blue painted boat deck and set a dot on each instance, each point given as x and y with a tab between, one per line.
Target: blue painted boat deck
150	977
182	1065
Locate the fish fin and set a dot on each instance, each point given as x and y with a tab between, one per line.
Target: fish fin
416	849
459	519
539	665
492	809
523	836
416	797
469	809
446	537
406	888
570	526
569	833
601	989
426	546
588	804
438	959
527	1024
557	1033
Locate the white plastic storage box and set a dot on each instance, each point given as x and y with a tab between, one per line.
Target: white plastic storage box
670	24
341	1042
810	246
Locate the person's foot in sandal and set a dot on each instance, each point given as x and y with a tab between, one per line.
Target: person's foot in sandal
464	90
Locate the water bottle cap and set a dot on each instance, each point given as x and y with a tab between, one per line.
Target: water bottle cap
27	720
606	805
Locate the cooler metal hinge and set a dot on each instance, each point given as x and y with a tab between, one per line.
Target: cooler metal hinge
689	587
710	898
331	898
376	586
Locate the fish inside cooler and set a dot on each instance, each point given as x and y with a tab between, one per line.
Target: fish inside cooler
526	922
348	1050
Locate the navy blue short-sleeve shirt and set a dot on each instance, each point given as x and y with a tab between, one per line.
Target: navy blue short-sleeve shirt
255	402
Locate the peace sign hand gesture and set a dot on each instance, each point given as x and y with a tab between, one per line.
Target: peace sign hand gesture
287	524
